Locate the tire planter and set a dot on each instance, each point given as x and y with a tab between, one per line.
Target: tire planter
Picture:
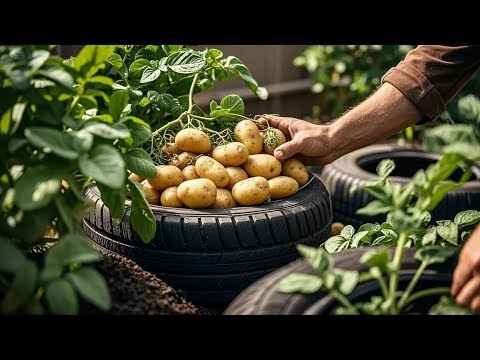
356	168
261	298
213	254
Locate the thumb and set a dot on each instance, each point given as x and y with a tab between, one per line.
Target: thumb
288	149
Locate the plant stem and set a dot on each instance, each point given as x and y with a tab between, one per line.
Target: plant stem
169	125
412	284
190	95
397	262
427	292
76	99
383	285
201	117
344	301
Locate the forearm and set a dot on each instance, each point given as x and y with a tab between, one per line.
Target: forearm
384	114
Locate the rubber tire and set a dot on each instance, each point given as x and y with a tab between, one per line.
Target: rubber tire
262	298
213	254
342	174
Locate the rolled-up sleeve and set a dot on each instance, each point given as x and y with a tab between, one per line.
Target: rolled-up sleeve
431	76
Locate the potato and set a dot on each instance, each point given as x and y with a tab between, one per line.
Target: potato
152	195
281	140
209	168
197	193
294	168
183	160
235	174
252	191
167	176
193	140
189	173
136	177
171	149
263	165
337	228
282	187
224	200
248	134
231	154
169	197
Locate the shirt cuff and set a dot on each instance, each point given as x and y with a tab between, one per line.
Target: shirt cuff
416	88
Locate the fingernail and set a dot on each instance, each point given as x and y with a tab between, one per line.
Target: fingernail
279	153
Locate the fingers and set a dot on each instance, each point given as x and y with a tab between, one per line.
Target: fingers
461	275
281	123
470	291
288	149
475	304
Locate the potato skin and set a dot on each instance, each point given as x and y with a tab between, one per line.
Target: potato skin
152	195
231	154
224	200
252	191
183	160
136	177
197	193
193	140
170	149
169	198
235	174
282	187
281	140
209	168
296	170
167	176
189	173
263	165
248	134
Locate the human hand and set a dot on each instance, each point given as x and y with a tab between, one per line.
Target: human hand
466	277
311	143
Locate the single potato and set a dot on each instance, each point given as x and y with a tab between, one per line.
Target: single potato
263	165
281	140
169	198
294	168
252	191
136	177
183	160
171	149
189	173
235	174
152	195
197	193
282	187
231	154
224	200
337	228
209	168
248	134
193	140
167	176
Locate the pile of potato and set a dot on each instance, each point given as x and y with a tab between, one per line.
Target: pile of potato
243	172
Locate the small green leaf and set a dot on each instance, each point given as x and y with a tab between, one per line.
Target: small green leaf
115	60
430	236
360	237
383	240
375	207
91	56
100	79
403	222
51	140
378	191
105	165
468	217
438	192
447	306
139	130
51	272
149	74
434	254
230	107
11	258
91	286
377	258
59	76
370	228
448	231
82	141
38	59
136	68
347	280
236	67
70	249
61	298
303	283
390	233
336	244
105	131
213	105
163	101
114	199
141	215
385	168
347	232
118	102
139	162
320	260
185	62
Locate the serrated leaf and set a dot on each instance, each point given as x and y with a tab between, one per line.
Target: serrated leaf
303	283
163	101
466	218
434	254
185	62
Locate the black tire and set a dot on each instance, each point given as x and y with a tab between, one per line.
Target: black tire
356	168
213	254
262	298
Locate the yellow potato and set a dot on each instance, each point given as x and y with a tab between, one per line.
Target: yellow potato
189	173
167	176
171	149
294	168
224	200
183	160
263	165
209	168
246	132
152	195
193	140
235	174
169	198
197	193
282	187
252	191
281	140
337	228
231	154
136	177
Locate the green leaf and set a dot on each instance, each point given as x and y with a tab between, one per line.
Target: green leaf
378	191
115	60
213	106
231	106
38	59
163	101
320	260
59	76
20	78
185	62
447	306
434	254
377	258
91	56
51	272
336	244
72	248
468	217
118	102
82	141
37	186
430	236
303	283
469	107
360	237
438	193
17	115
141	215
347	280
114	200
61	298
370	228
468	151
383	240
347	232
105	165
375	207
448	231
91	286
5	122
139	130
100	79
136	68
385	168
170	49
149	74
11	258
179	105
22	288
51	140
139	162
236	67
105	131
390	233
403	222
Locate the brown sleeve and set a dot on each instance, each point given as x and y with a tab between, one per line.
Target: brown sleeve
431	76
